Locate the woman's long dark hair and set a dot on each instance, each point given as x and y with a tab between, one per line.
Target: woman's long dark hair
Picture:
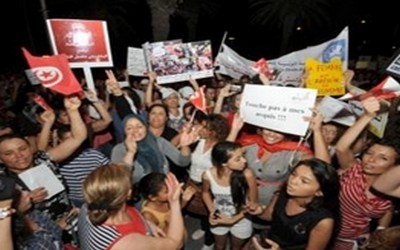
220	154
328	180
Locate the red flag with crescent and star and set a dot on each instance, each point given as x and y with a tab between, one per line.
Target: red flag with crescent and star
53	72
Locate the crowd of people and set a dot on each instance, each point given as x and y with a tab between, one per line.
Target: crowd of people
133	160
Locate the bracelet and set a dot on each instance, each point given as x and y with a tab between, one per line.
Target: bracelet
380	228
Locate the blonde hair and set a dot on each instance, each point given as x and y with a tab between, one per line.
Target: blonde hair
106	190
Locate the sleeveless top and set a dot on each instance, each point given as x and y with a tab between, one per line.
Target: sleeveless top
162	217
293	231
222	196
201	161
104	236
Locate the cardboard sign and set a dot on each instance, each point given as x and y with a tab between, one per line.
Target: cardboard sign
174	61
85	42
278	108
327	78
136	63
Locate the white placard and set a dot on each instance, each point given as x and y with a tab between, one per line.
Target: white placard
42	176
136	63
278	108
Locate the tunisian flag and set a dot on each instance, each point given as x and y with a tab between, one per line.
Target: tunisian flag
53	72
198	100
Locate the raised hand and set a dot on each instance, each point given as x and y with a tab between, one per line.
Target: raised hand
174	188
371	106
91	95
72	103
48	116
112	83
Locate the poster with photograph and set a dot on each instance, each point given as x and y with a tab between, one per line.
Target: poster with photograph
174	61
85	42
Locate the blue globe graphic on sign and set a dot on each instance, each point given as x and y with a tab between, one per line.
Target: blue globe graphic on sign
334	49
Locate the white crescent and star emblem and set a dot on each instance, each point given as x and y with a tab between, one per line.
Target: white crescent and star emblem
48	76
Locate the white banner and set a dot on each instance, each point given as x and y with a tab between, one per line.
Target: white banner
278	108
288	68
230	63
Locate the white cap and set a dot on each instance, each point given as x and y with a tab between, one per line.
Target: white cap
166	92
186	92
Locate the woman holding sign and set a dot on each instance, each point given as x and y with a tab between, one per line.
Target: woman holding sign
17	156
272	156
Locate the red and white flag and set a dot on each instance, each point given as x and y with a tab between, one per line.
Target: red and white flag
198	100
53	72
387	89
261	66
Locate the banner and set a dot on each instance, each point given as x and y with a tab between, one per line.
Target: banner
278	108
288	69
230	63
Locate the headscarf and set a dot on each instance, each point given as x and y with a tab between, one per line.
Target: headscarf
148	153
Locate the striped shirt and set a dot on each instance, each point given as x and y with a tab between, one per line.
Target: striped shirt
78	168
356	209
104	236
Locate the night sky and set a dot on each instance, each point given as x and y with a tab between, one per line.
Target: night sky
380	35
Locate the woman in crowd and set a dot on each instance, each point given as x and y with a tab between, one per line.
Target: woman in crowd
107	222
358	205
213	129
141	149
303	213
227	187
17	157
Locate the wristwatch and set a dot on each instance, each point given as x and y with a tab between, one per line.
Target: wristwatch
4	212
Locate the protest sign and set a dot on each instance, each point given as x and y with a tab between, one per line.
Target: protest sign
278	108
136	63
327	78
174	61
84	42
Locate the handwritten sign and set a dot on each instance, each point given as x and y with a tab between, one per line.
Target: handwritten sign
136	63
85	42
327	78
278	108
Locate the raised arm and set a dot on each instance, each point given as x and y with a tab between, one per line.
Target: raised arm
389	182
343	146
223	93
105	117
78	131
48	117
175	232
148	100
320	148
